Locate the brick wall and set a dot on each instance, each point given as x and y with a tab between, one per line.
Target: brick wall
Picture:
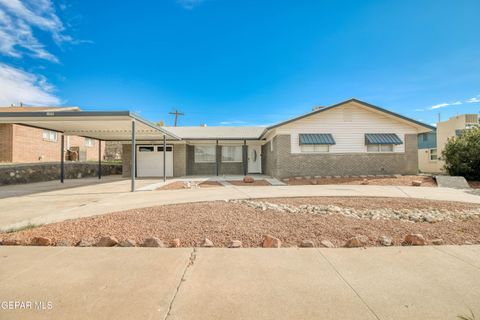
29	146
6	132
179	160
22	144
90	152
289	165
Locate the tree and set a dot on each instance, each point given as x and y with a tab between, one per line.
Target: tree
462	154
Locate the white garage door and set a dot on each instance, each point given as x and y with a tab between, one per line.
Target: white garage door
150	160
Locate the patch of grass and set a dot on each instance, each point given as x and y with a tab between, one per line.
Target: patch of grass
22	228
471	316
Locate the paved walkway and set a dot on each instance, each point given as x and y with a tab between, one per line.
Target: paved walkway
32	205
150	283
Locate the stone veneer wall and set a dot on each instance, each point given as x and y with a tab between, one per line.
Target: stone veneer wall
47	171
281	163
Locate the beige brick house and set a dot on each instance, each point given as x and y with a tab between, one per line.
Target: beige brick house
27	144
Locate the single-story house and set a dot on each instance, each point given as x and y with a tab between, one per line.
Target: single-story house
28	144
349	138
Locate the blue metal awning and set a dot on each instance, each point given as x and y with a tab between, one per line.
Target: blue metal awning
316	138
382	138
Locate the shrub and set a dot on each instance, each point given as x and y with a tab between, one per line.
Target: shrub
462	154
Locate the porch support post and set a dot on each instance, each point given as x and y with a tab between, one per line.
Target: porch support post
99	159
62	158
216	157
164	158
133	164
244	157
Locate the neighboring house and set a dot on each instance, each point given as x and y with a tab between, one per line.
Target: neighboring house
431	144
348	138
28	144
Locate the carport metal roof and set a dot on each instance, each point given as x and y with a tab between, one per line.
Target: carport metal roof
102	125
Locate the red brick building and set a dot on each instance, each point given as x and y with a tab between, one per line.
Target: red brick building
24	144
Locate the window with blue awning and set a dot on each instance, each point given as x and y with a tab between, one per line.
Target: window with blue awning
382	138
316	138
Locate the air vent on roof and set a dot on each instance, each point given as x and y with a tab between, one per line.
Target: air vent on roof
203	125
316	108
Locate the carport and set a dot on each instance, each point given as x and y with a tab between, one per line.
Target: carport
99	125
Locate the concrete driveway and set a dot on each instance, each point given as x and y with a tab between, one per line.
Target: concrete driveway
47	202
150	283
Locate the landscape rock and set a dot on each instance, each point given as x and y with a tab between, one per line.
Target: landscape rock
415	239
175	243
62	243
248	179
40	241
327	244
128	243
416	183
429	215
270	241
357	241
207	243
235	244
314	181
385	241
85	243
153	243
437	242
364	182
307	244
107	241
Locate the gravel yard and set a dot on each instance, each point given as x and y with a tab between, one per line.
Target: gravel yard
222	221
377	181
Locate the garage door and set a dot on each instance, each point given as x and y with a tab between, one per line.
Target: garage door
150	161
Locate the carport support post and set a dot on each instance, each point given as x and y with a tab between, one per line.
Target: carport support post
216	157
164	158
99	159
244	157
134	147
62	158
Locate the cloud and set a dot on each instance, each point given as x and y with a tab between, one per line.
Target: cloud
17	23
441	105
189	4
445	104
419	110
17	85
473	100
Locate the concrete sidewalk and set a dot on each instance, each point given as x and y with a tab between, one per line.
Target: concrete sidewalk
150	283
95	199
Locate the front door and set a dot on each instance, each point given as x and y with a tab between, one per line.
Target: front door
254	159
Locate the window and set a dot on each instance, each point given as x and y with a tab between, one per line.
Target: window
232	154
205	153
168	149
89	142
379	147
145	149
314	148
433	155
49	135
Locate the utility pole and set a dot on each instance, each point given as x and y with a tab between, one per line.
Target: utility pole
176	113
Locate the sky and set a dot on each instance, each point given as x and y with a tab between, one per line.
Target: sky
241	62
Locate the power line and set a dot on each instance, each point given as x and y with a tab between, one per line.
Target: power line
176	113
